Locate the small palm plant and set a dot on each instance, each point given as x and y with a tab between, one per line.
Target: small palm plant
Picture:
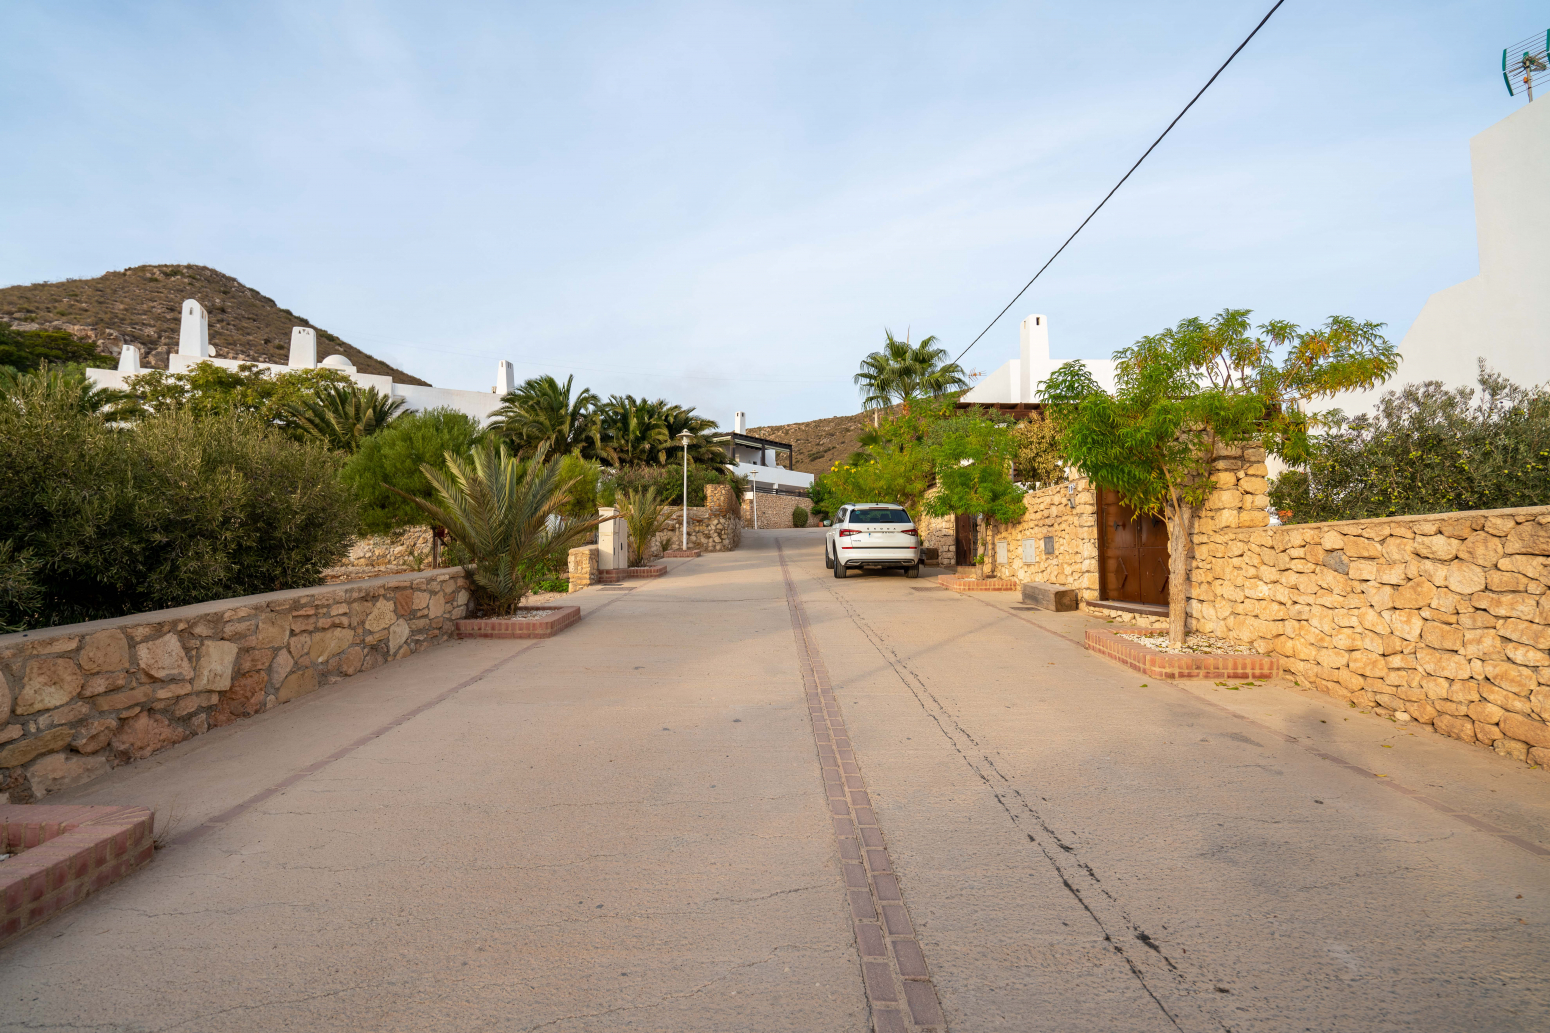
344	415
644	518
506	516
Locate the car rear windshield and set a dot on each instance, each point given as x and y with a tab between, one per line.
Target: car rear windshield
878	516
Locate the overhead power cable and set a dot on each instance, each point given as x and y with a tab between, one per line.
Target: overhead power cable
1126	176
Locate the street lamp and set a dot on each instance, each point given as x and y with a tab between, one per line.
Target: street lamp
684	439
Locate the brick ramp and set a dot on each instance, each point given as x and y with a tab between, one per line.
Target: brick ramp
62	855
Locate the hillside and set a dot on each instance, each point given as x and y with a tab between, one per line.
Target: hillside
819	444
141	306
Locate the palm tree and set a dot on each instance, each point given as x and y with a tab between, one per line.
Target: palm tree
901	371
344	415
507	515
644	432
644	518
543	413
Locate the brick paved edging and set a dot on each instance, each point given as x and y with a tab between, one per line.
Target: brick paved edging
560	618
1154	664
968	584
64	854
891	957
613	577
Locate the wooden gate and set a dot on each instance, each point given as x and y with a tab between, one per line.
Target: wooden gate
963	539
1132	553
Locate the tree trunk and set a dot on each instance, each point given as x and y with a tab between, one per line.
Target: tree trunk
980	526
1181	526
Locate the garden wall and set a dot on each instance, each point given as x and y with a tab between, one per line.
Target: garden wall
774	510
79	699
408	547
708	531
1056	541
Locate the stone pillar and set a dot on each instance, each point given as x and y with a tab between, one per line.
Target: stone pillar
581	563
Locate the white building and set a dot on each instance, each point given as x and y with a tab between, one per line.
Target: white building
754	458
1502	315
194	348
1017	381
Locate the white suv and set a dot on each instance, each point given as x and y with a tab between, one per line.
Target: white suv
872	534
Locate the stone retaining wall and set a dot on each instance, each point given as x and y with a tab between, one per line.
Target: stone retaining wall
79	699
1067	513
406	547
774	510
709	531
1444	620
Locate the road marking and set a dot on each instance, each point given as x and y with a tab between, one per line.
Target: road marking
893	968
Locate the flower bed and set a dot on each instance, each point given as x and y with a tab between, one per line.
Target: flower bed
527	622
1157	664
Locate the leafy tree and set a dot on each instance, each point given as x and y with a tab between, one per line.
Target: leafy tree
901	372
1037	442
211	390
505	514
543	413
894	464
62	382
342	416
26	350
177	509
1427	449
20	596
972	456
390	465
1181	392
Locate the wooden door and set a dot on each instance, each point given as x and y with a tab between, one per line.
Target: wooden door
963	539
1132	553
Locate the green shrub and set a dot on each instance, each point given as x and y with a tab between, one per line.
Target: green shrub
26	350
393	457
799	517
614	484
1427	449
172	511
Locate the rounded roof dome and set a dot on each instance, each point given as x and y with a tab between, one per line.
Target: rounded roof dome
338	362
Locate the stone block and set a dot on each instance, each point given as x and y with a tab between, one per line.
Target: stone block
1442	636
1486	734
164	659
1533	539
105	651
1463	691
172	690
216	662
273	629
1422	711
327	644
144	734
1485	712
1465	578
1511	677
1407	624
1482	643
382	615
1526	729
1481	549
1417	593
1504	699
1461	728
68	714
119	700
21	751
62	770
1526	656
397	636
1048	596
1435	547
93	735
48	683
300	683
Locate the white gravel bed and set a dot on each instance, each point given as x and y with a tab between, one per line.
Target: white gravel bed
1196	643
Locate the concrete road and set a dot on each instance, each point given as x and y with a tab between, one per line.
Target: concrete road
664	820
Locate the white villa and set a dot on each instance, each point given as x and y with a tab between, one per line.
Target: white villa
1015	385
754	458
194	348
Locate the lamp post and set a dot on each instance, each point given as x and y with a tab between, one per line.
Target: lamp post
684	439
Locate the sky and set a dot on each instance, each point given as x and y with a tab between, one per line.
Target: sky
725	204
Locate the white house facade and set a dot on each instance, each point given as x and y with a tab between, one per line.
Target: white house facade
1017	381
194	348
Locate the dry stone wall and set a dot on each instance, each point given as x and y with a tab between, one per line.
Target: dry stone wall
774	510
406	547
709	531
79	699
1056	541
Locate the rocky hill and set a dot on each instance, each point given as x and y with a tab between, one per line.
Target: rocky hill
141	306
819	444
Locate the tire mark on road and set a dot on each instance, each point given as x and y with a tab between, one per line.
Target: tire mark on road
1187	1005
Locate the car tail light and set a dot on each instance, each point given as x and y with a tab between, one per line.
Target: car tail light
911	530
847	531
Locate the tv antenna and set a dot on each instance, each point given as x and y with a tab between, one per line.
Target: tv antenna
1529	61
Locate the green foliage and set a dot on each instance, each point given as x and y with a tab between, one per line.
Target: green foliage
798	517
342	416
645	516
972	457
543	413
1038	459
505	514
894	463
667	481
639	431
901	372
65	383
211	390
1181	392
389	465
175	510
1427	449
26	350
19	593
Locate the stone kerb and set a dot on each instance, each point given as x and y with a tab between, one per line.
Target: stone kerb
1443	620
83	698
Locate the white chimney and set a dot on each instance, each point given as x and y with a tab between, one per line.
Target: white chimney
129	361
739	423
194	334
304	347
1034	358
505	379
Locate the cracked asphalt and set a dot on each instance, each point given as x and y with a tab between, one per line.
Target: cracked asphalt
625	828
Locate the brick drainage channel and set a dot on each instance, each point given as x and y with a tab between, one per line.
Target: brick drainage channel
891	959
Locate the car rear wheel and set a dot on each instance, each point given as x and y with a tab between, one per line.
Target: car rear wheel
839	569
912	571
828	560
